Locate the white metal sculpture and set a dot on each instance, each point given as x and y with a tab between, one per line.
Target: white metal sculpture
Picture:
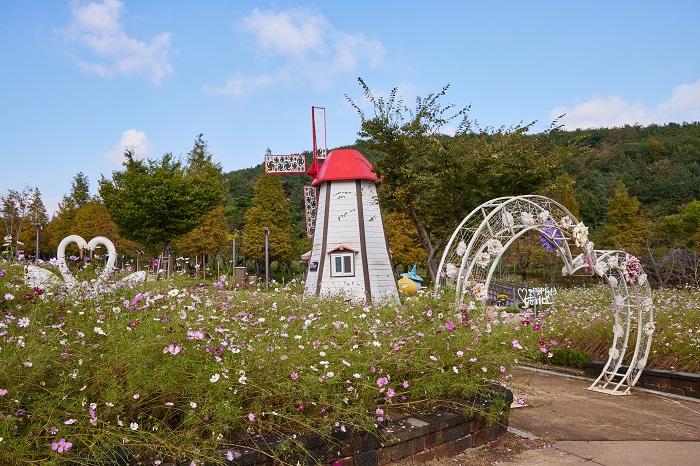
310	200
478	243
278	164
90	246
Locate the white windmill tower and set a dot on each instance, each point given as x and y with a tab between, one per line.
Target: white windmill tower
350	254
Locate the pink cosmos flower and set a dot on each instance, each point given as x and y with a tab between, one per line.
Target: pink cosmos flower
449	325
405	384
502	369
390	393
172	349
516	344
382	381
379	413
69	422
251	417
23	322
294	376
3	391
61	446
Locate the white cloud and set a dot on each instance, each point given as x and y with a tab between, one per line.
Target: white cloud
133	139
610	111
99	28
308	46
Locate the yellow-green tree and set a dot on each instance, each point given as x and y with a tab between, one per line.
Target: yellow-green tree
562	190
403	238
626	228
269	208
210	237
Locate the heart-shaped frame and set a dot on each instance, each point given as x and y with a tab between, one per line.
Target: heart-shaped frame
90	246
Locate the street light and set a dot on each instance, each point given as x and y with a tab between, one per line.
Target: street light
36	221
267	257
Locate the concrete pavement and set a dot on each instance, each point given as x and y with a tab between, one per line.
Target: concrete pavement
567	424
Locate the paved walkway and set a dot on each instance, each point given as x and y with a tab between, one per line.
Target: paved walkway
571	425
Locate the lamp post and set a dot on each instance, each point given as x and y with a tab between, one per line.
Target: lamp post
36	221
267	257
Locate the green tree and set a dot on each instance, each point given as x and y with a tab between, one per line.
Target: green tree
626	228
269	208
79	193
155	201
683	228
437	179
36	215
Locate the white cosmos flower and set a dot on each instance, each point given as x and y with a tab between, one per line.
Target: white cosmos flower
134	426
214	378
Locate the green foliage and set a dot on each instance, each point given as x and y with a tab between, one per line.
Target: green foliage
155	201
568	357
79	194
269	208
437	179
625	229
683	229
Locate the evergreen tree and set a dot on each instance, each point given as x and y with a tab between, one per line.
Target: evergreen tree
36	215
155	201
626	228
269	208
79	193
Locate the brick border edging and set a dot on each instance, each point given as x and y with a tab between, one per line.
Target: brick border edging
417	437
443	434
678	383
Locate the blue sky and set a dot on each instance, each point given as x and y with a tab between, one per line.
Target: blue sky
80	80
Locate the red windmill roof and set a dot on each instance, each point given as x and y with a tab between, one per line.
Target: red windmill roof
345	164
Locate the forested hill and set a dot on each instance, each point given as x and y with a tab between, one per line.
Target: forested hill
660	165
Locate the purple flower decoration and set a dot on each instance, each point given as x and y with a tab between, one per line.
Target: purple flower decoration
550	231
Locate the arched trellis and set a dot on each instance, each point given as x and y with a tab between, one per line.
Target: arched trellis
478	243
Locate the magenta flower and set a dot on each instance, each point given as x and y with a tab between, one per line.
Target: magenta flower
61	446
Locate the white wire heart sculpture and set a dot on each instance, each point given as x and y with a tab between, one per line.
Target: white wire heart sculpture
90	246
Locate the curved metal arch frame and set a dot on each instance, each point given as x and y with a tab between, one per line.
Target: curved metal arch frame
506	219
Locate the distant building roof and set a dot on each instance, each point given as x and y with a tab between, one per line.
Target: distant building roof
345	164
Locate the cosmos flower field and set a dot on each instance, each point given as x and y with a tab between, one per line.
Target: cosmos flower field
582	319
171	371
180	370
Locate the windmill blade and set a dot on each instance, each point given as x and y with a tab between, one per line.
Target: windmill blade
310	199
293	163
318	132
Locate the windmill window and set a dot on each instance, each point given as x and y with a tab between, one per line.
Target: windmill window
343	264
